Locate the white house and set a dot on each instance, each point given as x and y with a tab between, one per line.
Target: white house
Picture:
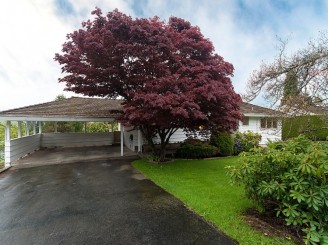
261	120
77	109
257	119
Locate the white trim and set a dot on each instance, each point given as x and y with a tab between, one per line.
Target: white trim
257	115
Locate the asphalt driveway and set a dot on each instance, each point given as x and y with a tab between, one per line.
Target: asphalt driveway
99	202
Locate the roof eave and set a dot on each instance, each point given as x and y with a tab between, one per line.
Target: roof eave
56	119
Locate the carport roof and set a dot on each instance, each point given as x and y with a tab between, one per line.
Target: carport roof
72	109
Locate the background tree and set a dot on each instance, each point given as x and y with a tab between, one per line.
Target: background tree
167	73
291	89
306	70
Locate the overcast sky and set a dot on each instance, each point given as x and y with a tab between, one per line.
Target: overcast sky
244	32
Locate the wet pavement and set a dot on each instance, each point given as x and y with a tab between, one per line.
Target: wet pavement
59	155
94	202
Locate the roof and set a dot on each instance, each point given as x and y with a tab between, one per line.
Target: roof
90	109
74	108
247	108
317	110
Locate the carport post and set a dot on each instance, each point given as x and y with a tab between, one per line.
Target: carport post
34	128
27	130
7	144
85	127
122	139
139	140
40	127
19	129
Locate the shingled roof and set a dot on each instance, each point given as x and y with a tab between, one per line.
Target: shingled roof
74	107
247	108
82	109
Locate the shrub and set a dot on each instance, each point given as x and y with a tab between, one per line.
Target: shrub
290	178
246	141
224	142
194	149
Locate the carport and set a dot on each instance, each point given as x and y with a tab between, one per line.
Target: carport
75	109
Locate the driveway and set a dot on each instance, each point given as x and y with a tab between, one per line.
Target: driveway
95	202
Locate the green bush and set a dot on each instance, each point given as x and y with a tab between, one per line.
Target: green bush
315	127
291	178
196	149
224	142
246	141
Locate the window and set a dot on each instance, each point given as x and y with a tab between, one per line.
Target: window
246	121
269	122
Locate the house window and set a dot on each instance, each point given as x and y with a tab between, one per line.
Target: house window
246	121
269	122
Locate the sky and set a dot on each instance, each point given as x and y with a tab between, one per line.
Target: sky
244	32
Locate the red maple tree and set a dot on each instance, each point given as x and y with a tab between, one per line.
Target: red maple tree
166	72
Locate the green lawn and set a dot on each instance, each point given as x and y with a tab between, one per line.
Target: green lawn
204	187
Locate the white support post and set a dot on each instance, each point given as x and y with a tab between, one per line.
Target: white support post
7	144
40	127
34	128
122	140
119	126
56	127
19	129
27	129
139	140
7	132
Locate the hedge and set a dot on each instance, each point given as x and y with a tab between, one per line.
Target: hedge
315	127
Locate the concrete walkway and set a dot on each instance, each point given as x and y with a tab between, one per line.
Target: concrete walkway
98	202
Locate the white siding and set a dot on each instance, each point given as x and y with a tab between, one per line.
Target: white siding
255	126
17	148
132	145
76	139
178	136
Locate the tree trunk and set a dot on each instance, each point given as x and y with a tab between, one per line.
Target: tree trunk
164	135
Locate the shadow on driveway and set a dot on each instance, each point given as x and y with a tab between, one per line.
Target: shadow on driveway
99	202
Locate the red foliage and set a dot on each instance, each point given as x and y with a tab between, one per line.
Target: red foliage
167	73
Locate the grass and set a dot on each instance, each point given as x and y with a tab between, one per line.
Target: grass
204	187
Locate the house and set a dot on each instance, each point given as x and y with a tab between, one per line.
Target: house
78	109
261	120
257	119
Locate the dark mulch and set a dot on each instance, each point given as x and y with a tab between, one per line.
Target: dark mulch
271	225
